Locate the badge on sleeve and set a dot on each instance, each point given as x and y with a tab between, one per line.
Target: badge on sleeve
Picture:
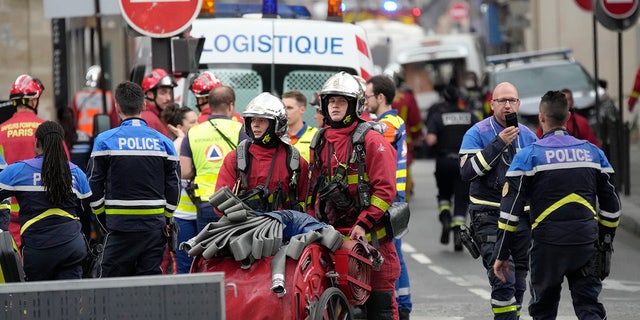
463	160
505	189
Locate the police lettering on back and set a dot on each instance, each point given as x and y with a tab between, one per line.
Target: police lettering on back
568	155
139	143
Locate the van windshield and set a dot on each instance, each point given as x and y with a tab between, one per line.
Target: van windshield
250	80
534	82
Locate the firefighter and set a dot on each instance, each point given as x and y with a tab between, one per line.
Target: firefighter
445	129
379	95
201	86
567	228
53	247
204	148
135	179
17	134
158	90
485	154
300	133
338	199
87	103
267	173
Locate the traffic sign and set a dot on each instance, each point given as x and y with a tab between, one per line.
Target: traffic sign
616	15
620	9
459	11
160	18
585	4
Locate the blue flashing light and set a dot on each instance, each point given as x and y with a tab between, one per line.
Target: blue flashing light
270	7
343	7
390	6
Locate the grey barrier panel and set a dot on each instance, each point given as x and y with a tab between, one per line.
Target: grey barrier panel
171	297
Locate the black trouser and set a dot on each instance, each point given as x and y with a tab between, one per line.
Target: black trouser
450	185
60	262
506	297
549	265
133	253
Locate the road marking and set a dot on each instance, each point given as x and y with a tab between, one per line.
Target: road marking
460	281
408	248
439	270
484	294
421	258
628	286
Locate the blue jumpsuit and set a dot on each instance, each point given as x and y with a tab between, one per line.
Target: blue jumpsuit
484	161
52	243
564	178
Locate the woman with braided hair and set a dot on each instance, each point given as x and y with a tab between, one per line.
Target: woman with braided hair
50	191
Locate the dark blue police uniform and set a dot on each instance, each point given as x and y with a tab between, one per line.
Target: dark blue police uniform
485	159
52	243
135	179
564	178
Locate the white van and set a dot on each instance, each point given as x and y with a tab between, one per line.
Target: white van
276	55
434	60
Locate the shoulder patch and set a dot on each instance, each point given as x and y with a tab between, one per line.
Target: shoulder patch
505	189
463	159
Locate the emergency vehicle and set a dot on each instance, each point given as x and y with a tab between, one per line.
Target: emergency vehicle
257	53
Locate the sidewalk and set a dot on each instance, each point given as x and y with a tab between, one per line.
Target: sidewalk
630	216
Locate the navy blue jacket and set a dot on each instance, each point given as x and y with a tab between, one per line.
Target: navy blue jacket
134	173
484	160
564	178
42	224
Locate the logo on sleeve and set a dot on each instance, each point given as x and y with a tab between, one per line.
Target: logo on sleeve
505	189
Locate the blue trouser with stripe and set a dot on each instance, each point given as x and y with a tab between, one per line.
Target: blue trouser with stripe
403	292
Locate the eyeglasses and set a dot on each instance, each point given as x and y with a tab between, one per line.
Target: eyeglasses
368	97
504	101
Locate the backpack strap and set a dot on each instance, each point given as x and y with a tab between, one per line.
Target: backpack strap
293	165
243	161
357	140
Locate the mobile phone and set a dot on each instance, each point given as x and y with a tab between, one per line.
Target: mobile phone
511	119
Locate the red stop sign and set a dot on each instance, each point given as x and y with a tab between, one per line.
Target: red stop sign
619	9
160	18
459	11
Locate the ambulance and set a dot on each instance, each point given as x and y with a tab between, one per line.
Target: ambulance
276	54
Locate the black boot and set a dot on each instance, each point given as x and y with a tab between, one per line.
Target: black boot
457	242
403	314
445	219
380	305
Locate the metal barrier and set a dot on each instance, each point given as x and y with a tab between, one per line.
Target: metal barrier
175	297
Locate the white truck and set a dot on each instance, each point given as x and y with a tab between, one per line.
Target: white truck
255	55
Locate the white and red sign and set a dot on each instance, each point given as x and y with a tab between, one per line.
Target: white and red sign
459	11
620	9
160	18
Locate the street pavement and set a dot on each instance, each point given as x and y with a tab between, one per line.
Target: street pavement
630	216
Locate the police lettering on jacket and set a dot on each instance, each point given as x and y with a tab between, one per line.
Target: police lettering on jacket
139	143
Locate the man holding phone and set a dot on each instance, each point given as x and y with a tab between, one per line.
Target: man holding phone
485	155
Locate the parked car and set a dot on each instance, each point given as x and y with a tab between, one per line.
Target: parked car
534	73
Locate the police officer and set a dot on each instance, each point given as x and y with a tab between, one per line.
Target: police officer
379	95
204	148
53	247
260	171
485	154
300	133
566	179
158	90
342	101
446	126
135	179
